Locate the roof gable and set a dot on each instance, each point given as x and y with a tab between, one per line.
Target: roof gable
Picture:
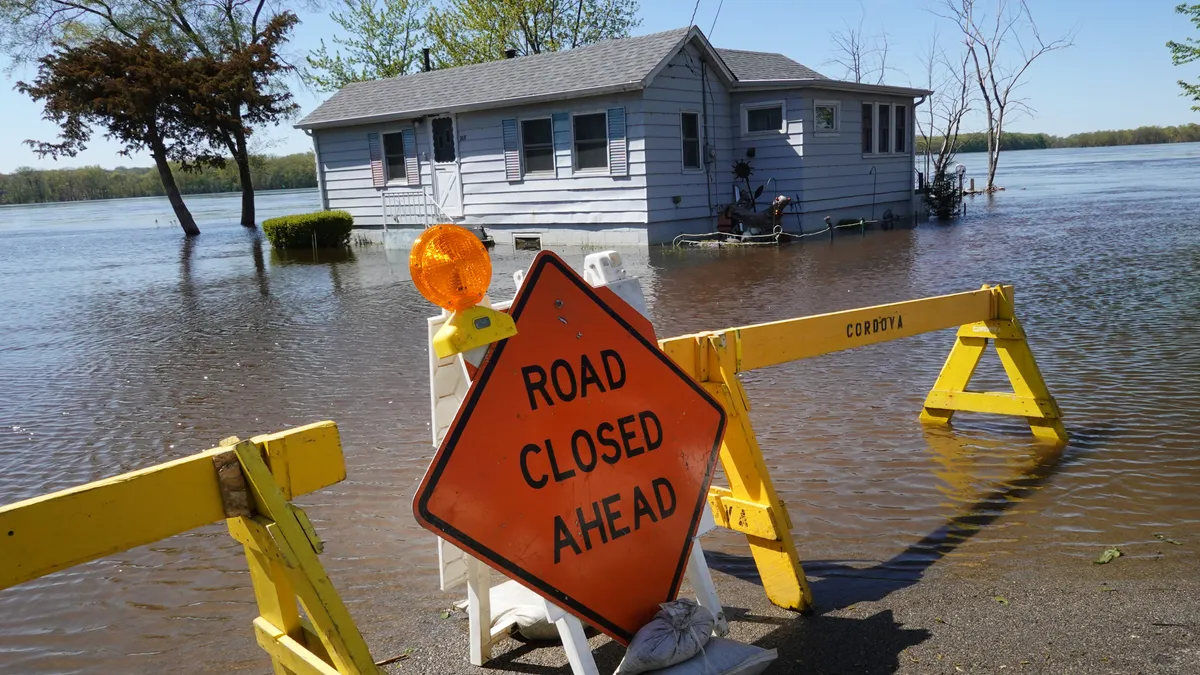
750	66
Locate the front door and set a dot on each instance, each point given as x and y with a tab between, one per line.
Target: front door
447	186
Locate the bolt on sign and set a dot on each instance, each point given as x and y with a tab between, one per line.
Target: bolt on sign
580	460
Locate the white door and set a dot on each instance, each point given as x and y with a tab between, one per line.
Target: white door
447	185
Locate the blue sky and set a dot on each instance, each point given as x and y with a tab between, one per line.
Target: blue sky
1118	74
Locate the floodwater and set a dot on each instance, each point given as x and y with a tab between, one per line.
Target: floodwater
122	345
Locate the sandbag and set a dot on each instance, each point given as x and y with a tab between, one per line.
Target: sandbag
676	633
723	657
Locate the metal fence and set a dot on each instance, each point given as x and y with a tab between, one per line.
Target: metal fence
411	208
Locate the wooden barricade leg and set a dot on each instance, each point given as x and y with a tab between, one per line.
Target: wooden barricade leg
282	548
750	505
1030	397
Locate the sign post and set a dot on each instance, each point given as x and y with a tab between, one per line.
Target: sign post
580	461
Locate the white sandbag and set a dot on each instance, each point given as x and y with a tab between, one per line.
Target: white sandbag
676	633
723	657
516	607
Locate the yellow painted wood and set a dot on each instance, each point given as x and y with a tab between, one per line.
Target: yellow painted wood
272	588
997	328
59	530
996	403
750	482
955	375
343	643
746	517
768	344
285	650
1027	380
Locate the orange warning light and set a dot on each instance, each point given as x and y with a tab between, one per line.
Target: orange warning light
450	267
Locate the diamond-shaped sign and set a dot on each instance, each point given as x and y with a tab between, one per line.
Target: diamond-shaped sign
579	462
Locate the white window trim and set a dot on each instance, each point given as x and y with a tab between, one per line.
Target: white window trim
875	152
536	175
907	128
388	180
699	142
760	105
595	171
837	118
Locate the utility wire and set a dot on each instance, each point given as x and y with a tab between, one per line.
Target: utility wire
714	23
692	21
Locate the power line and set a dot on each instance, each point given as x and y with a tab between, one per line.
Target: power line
714	23
692	21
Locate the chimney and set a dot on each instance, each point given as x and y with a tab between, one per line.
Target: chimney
510	53
425	52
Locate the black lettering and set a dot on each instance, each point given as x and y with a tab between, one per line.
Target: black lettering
874	325
612	516
899	321
559	476
892	321
588	375
531	449
641	507
557	367
663	510
849	330
585	525
613	382
627	436
657	441
562	539
585	466
528	372
608	442
858	329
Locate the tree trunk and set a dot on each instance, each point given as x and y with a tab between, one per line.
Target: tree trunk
159	152
242	157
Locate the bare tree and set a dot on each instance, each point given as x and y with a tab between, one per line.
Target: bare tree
862	57
1001	47
946	107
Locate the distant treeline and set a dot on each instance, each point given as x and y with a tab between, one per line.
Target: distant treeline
31	186
1186	133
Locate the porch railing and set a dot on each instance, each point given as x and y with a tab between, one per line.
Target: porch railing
411	208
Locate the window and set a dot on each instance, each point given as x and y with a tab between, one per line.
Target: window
826	116
537	146
393	155
885	126
443	139
868	128
591	141
689	129
901	128
763	118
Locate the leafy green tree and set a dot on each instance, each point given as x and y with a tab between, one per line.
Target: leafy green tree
133	91
475	31
381	40
1187	51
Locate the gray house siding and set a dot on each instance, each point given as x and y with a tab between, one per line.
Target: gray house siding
677	89
777	155
345	163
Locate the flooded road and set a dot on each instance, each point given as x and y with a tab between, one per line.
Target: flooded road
122	345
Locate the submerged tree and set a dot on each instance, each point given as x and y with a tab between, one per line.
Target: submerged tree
381	40
940	124
133	91
220	30
475	31
1188	51
1002	46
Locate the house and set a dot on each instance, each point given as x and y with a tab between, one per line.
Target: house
624	141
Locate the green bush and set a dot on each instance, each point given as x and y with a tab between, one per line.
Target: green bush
332	229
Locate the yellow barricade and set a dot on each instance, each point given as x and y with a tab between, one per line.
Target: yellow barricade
750	504
247	484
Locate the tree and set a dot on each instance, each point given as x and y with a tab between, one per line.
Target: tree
381	42
941	123
475	31
1187	51
134	91
997	46
863	58
214	29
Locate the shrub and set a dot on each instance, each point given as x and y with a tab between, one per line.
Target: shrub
332	229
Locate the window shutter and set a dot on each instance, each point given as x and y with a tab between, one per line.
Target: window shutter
375	147
412	166
512	150
562	143
618	148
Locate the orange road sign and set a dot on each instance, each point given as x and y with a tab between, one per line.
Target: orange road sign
579	462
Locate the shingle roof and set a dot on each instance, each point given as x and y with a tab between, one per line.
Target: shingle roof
611	64
766	66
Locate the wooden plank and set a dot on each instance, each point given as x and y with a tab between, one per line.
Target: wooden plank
66	528
769	344
995	403
286	651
